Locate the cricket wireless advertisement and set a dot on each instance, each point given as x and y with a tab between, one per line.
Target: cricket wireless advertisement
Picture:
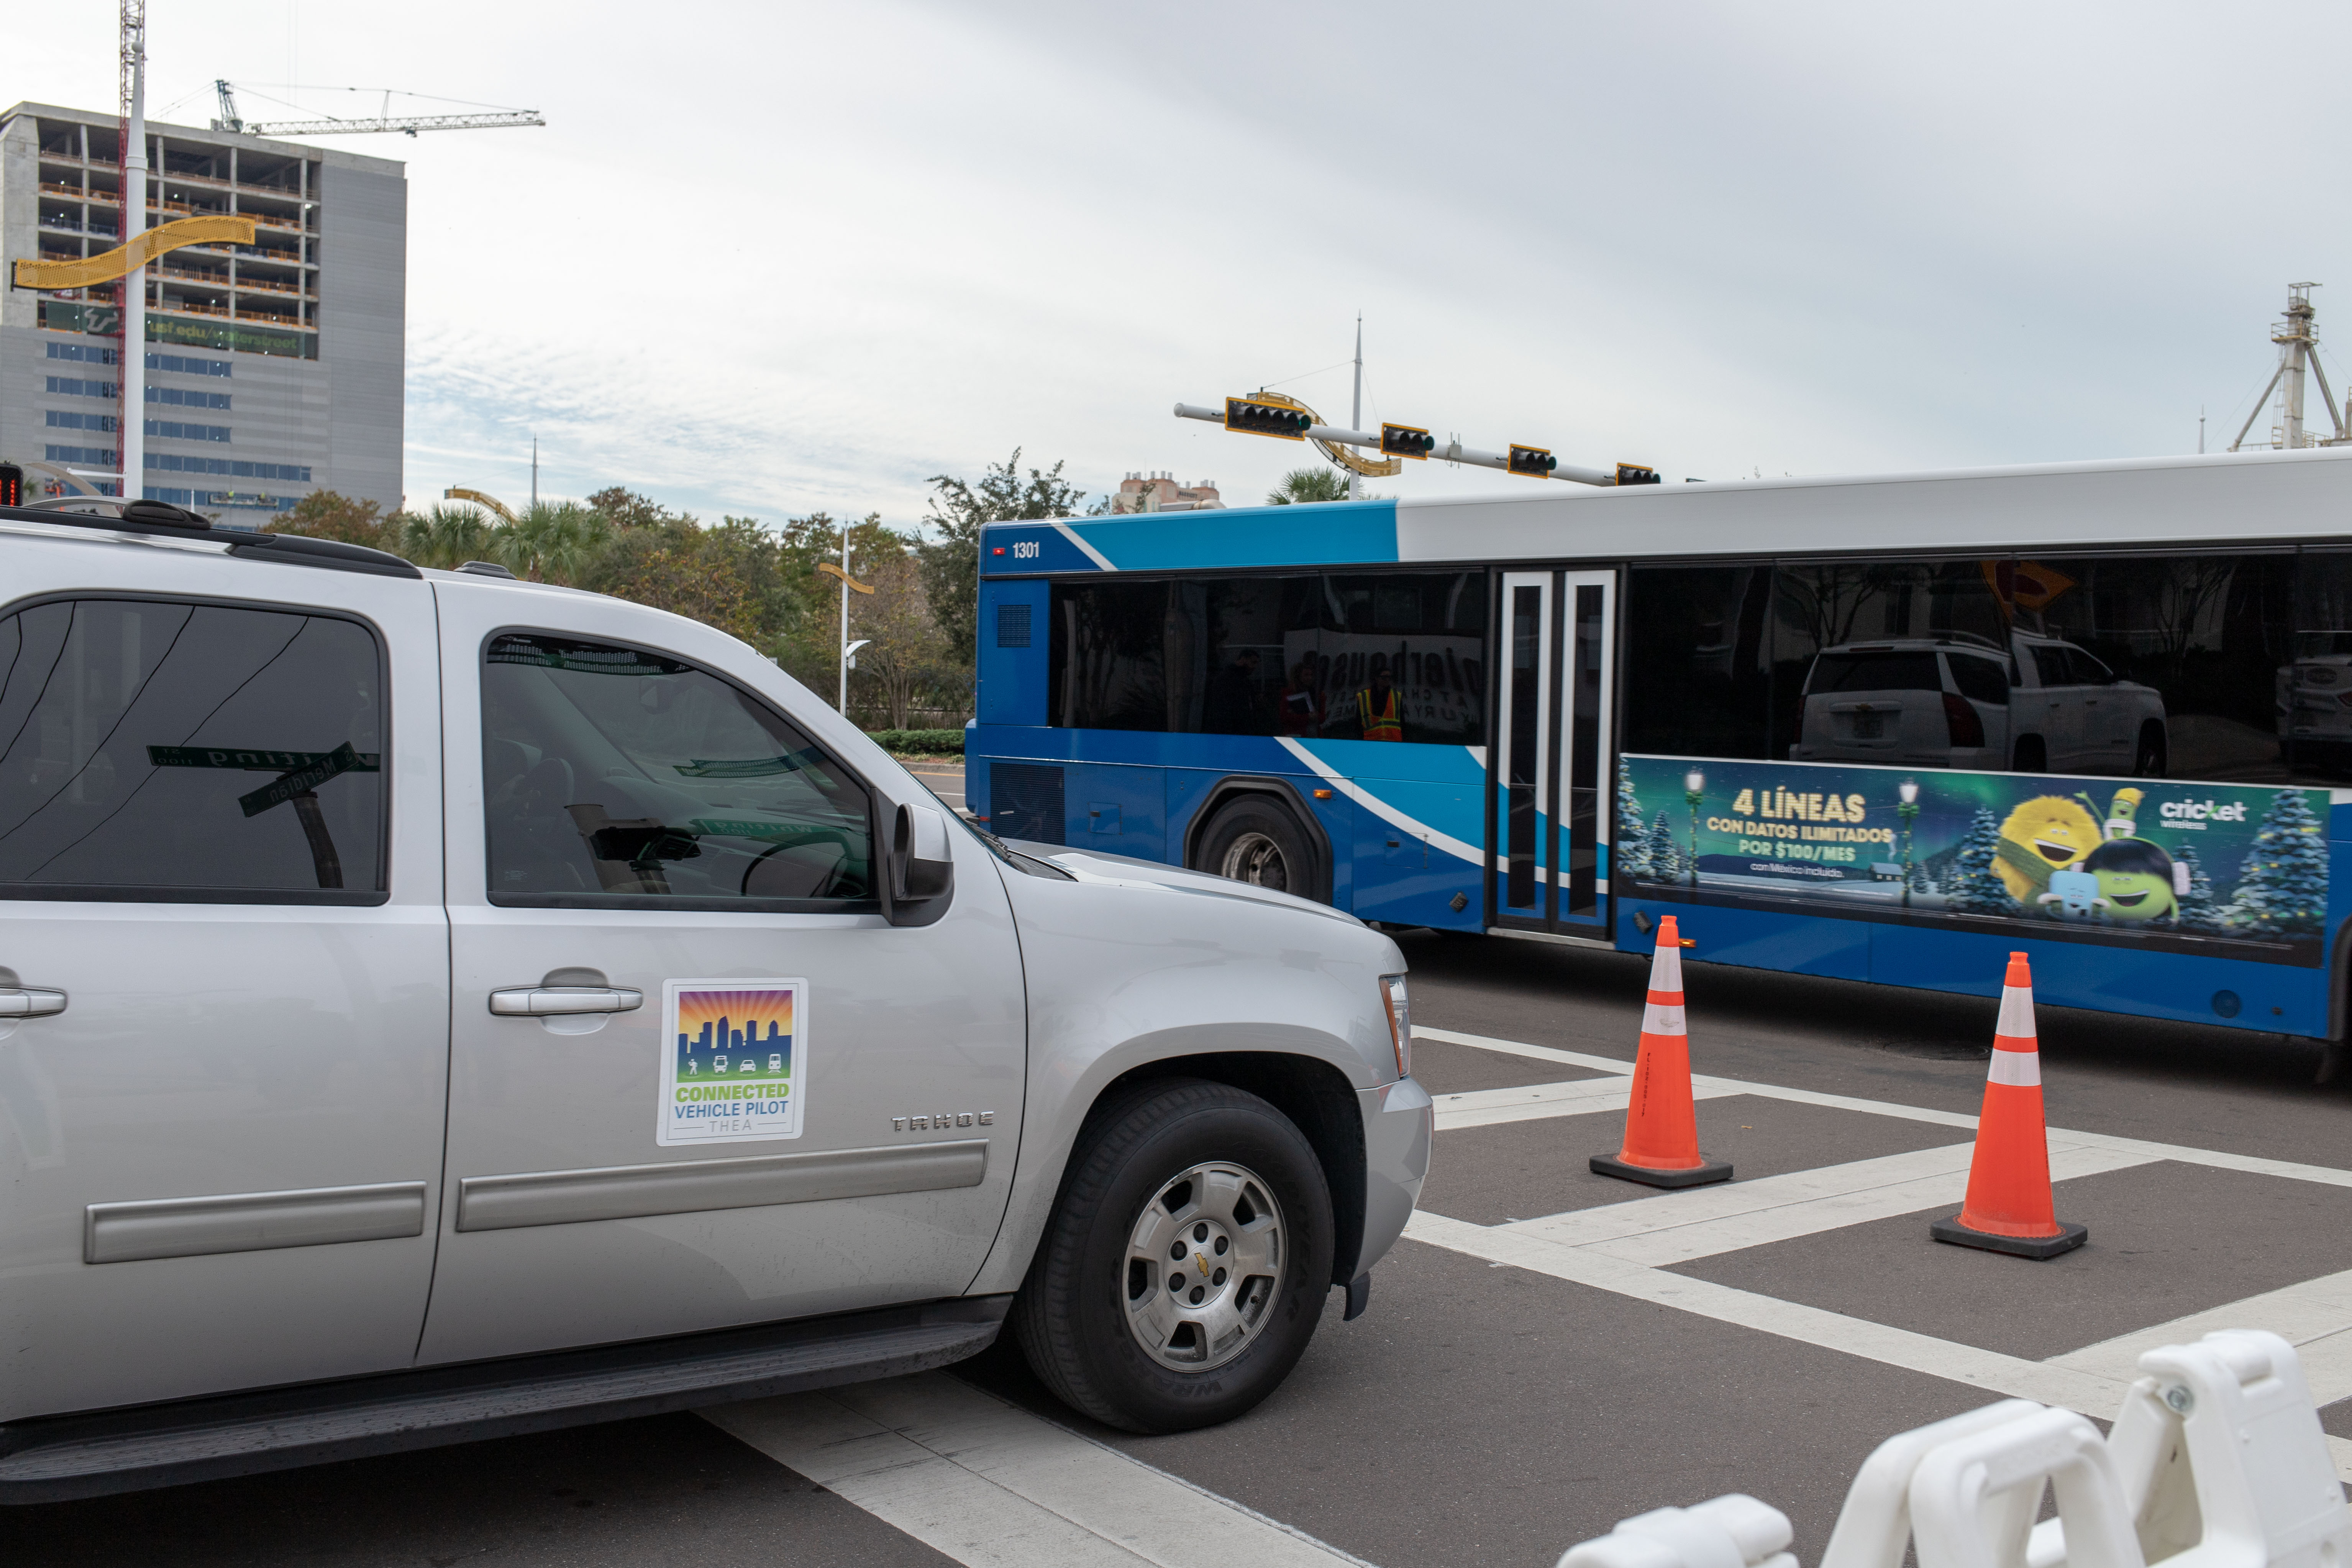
2141	862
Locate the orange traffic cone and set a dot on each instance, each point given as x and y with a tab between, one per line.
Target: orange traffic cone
2007	1207
1661	1129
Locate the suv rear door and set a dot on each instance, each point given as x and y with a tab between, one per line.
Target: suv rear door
220	831
636	826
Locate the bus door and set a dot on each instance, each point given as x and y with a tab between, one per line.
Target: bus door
1547	870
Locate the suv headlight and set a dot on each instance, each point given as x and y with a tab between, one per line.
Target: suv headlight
1392	998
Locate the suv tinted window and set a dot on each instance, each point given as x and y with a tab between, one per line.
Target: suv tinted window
2053	665
614	774
1875	672
1983	678
176	750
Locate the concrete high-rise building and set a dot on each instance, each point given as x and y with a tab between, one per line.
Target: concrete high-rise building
270	371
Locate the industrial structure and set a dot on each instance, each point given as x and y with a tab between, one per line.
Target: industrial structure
265	371
2298	347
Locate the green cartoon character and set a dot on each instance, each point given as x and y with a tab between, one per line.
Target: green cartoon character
2134	881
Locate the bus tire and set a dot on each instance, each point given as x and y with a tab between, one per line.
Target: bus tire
1255	838
1186	1263
2149	757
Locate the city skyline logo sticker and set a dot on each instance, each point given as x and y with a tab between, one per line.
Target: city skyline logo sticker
734	1060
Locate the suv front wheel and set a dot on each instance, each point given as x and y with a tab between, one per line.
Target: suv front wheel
1185	1265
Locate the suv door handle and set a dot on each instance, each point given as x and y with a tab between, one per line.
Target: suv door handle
544	1001
30	1002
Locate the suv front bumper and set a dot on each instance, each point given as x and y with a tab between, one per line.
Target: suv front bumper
1399	1123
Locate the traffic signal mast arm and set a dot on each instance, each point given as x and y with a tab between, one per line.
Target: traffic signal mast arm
1453	452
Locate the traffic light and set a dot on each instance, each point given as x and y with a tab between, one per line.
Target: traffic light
1635	474
1406	441
1266	419
12	485
1533	461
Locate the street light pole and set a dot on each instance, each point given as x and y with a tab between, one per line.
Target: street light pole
843	703
1909	810
1694	796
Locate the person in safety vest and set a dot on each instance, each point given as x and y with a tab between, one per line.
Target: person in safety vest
1377	707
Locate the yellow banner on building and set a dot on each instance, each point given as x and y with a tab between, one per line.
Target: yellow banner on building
105	268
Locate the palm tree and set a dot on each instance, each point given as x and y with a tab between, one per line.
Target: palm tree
447	537
1306	485
551	544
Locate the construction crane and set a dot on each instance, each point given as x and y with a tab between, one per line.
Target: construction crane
384	119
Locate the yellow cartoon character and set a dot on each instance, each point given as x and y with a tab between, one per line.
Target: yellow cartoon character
2048	833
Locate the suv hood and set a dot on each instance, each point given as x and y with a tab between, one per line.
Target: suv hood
1088	865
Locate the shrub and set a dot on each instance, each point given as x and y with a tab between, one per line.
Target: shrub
920	743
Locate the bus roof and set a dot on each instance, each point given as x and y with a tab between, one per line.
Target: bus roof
2228	497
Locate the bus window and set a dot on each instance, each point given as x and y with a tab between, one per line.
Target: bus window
1401	656
1109	665
1182	654
2156	666
1852	637
2312	691
1697	651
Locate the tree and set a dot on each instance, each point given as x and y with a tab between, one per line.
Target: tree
2199	912
447	537
2282	885
324	514
950	561
1975	886
1920	881
552	543
1663	857
1632	856
904	647
1307	486
626	509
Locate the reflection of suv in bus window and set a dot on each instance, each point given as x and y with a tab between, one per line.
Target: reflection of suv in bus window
2314	699
1951	702
2072	714
1935	701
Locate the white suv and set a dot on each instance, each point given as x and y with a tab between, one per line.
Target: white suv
2040	705
434	1006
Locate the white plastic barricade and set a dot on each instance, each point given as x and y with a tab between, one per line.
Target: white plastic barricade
1734	1532
2217	1460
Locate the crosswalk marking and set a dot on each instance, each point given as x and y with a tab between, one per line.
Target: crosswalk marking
993	1486
1676	1227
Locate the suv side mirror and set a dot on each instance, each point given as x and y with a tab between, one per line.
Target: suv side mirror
920	878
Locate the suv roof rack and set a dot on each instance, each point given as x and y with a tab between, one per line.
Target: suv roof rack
155	519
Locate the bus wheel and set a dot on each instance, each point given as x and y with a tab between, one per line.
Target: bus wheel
2147	758
1253	839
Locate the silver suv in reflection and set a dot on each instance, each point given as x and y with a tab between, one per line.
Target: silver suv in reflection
2040	705
434	1006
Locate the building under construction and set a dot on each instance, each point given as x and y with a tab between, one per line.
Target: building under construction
270	370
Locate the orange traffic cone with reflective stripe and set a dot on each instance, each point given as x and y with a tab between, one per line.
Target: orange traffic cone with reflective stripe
1660	1127
2009	1206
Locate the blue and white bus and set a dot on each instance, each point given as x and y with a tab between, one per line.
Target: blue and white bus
1882	729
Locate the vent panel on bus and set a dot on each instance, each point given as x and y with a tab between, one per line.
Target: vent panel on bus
1025	801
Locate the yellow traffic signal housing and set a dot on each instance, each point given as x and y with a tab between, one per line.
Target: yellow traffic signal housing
1407	441
1253	418
1536	462
1635	474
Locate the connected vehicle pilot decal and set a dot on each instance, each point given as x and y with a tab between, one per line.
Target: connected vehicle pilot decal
734	1060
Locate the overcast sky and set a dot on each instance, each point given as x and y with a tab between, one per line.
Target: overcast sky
771	258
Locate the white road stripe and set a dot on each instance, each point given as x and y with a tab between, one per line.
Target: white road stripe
2315	1317
1676	1227
989	1484
1536	1102
2219	1158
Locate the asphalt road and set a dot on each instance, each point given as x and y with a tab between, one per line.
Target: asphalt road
1514	1389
